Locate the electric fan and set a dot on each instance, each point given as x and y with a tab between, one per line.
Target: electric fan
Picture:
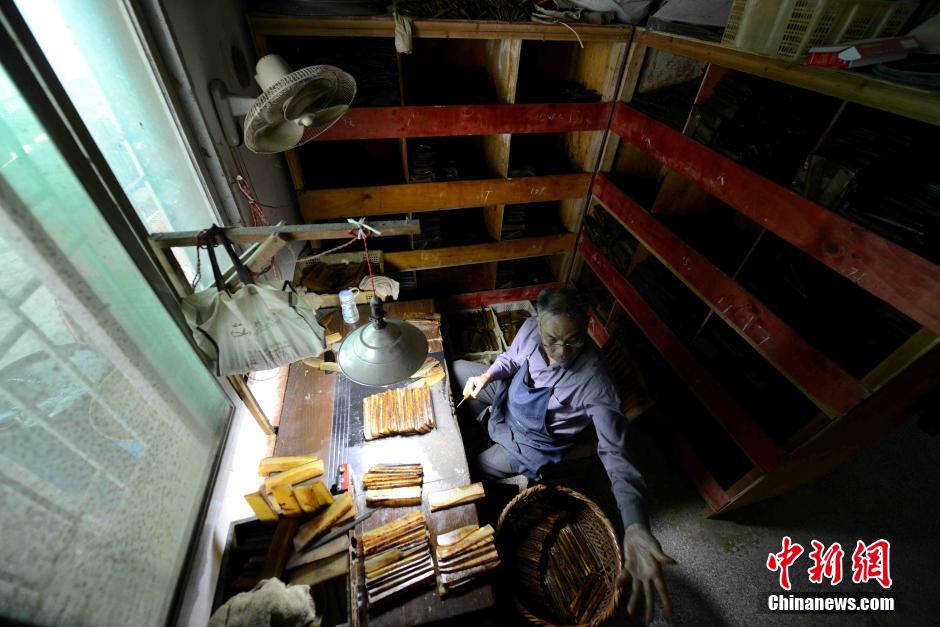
296	106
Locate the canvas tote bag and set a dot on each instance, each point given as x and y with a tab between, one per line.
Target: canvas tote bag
260	326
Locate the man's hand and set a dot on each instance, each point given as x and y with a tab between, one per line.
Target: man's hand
643	559
476	384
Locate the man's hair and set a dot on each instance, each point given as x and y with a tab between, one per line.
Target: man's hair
562	301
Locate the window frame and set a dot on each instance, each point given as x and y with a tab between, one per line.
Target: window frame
24	62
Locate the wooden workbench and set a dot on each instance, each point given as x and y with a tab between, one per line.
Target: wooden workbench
306	427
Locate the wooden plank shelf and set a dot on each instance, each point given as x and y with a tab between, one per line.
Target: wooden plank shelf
458	120
830	387
862	88
906	281
480	253
415	197
758	447
266	25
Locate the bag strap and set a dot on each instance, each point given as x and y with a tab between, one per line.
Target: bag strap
216	235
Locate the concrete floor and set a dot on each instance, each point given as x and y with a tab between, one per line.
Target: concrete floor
890	491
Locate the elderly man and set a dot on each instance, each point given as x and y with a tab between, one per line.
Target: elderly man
540	394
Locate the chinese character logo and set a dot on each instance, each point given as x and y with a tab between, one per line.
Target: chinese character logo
783	560
826	564
872	561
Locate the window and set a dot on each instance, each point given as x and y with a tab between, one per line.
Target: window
109	422
97	55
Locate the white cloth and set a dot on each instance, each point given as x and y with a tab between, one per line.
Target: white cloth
269	603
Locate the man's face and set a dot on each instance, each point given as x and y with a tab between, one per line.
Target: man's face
562	338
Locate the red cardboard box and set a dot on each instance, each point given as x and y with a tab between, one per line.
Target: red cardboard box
865	52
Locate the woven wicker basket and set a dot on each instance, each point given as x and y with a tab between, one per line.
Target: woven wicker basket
536	530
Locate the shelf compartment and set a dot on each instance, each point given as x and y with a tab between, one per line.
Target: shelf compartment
851	327
443	121
444	282
758	447
599	298
456	72
774	403
558	71
721	458
670	105
536	219
350	164
437	159
541	154
870	169
765	126
459	227
371	62
831	387
886	270
418	197
512	274
909	101
480	253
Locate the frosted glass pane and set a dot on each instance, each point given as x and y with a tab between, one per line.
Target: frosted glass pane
96	55
102	471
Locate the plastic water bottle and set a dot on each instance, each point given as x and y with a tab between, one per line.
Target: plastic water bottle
347	302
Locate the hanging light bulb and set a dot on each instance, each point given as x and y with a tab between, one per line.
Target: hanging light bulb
382	352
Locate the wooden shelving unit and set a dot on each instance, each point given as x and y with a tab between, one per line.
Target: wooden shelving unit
484	115
784	334
809	334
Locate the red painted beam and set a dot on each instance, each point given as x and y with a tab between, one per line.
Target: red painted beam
689	462
795	358
473	300
445	121
759	448
897	276
596	330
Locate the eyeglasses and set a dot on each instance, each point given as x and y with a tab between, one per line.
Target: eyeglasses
579	343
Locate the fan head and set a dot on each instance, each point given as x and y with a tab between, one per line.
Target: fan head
295	106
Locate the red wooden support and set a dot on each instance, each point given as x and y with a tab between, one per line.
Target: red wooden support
446	121
796	359
897	276
596	330
481	299
689	461
749	436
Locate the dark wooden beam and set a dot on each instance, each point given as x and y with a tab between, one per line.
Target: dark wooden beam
906	281
759	447
480	253
819	377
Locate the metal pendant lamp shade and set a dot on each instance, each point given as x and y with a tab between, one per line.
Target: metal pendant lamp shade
382	352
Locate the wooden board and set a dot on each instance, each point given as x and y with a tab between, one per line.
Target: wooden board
814	373
759	448
458	120
289	232
908	282
326	204
265	24
907	100
479	253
